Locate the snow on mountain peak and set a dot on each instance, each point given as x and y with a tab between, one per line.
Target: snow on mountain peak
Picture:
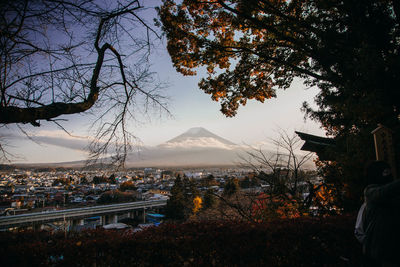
201	142
196	130
200	138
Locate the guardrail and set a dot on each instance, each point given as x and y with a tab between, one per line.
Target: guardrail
16	220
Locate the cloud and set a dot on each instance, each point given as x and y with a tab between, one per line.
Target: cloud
8	133
71	143
59	138
199	142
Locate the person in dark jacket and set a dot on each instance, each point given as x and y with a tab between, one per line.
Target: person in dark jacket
381	218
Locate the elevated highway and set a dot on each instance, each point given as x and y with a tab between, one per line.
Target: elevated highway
76	213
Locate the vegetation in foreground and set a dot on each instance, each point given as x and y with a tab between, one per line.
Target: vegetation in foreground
283	242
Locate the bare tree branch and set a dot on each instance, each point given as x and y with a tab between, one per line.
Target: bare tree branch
282	172
60	57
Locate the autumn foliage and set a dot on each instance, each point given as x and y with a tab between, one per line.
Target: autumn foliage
197	204
248	49
205	34
275	206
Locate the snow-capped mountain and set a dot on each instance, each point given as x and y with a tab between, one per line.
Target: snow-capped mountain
195	147
198	137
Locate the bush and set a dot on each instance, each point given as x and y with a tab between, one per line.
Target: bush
295	242
129	185
116	196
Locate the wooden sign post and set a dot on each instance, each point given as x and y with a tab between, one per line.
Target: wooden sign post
384	148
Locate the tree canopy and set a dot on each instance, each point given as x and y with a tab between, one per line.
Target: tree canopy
349	49
182	202
70	56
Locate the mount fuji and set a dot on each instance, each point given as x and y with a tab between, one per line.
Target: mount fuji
195	147
198	137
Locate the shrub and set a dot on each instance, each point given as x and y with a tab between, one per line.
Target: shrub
283	242
116	196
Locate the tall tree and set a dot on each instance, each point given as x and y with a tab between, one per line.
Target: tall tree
349	49
182	203
70	56
176	204
209	199
231	187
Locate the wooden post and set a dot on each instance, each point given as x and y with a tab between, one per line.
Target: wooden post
384	148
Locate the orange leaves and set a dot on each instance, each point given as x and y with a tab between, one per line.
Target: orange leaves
260	98
218	94
184	66
243	28
188	63
203	33
197	204
257	73
326	196
210	69
268	207
186	72
233	49
258	34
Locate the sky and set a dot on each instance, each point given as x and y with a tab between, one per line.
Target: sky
190	107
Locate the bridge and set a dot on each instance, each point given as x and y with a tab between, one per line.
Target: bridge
76	213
